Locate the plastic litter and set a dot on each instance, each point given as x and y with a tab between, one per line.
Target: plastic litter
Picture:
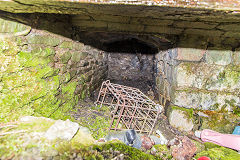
204	158
237	130
129	137
162	138
226	140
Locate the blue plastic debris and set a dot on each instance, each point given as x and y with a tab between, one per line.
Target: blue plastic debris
237	130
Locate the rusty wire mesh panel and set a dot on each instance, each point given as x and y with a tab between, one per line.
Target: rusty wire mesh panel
131	109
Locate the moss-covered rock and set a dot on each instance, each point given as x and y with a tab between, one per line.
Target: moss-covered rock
181	118
29	86
41	39
77	56
66	57
219	153
107	149
223	122
200	147
162	151
67	44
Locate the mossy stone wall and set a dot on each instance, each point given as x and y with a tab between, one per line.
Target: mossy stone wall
210	80
44	74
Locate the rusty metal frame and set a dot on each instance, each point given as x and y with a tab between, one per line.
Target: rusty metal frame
131	109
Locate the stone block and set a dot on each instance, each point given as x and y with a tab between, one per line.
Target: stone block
125	27
90	24
62	129
45	52
66	57
236	57
190	54
188	24
78	56
226	79
219	57
11	26
80	17
232	34
151	21
162	29
112	18
78	46
203	99
204	32
179	120
196	75
88	76
66	44
230	27
185	76
43	39
193	41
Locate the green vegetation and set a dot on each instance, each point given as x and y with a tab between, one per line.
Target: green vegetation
98	121
214	151
17	143
29	86
163	151
230	75
102	151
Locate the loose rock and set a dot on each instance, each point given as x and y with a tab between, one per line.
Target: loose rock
179	120
62	129
182	148
147	142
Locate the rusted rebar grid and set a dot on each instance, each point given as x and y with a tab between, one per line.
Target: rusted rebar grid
131	109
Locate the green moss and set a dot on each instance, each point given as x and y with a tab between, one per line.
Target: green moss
69	87
30	87
187	112
66	77
219	153
39	125
189	67
129	152
102	108
219	121
231	74
98	125
46	40
66	57
16	143
209	145
66	44
163	151
77	56
200	147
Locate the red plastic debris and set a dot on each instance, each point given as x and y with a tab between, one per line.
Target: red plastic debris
204	158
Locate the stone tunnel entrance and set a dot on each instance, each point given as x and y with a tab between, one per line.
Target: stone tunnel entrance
131	62
138	61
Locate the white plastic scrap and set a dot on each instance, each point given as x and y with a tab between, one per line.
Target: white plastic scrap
162	138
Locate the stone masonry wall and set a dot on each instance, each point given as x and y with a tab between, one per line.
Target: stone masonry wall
164	72
44	74
207	78
130	66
